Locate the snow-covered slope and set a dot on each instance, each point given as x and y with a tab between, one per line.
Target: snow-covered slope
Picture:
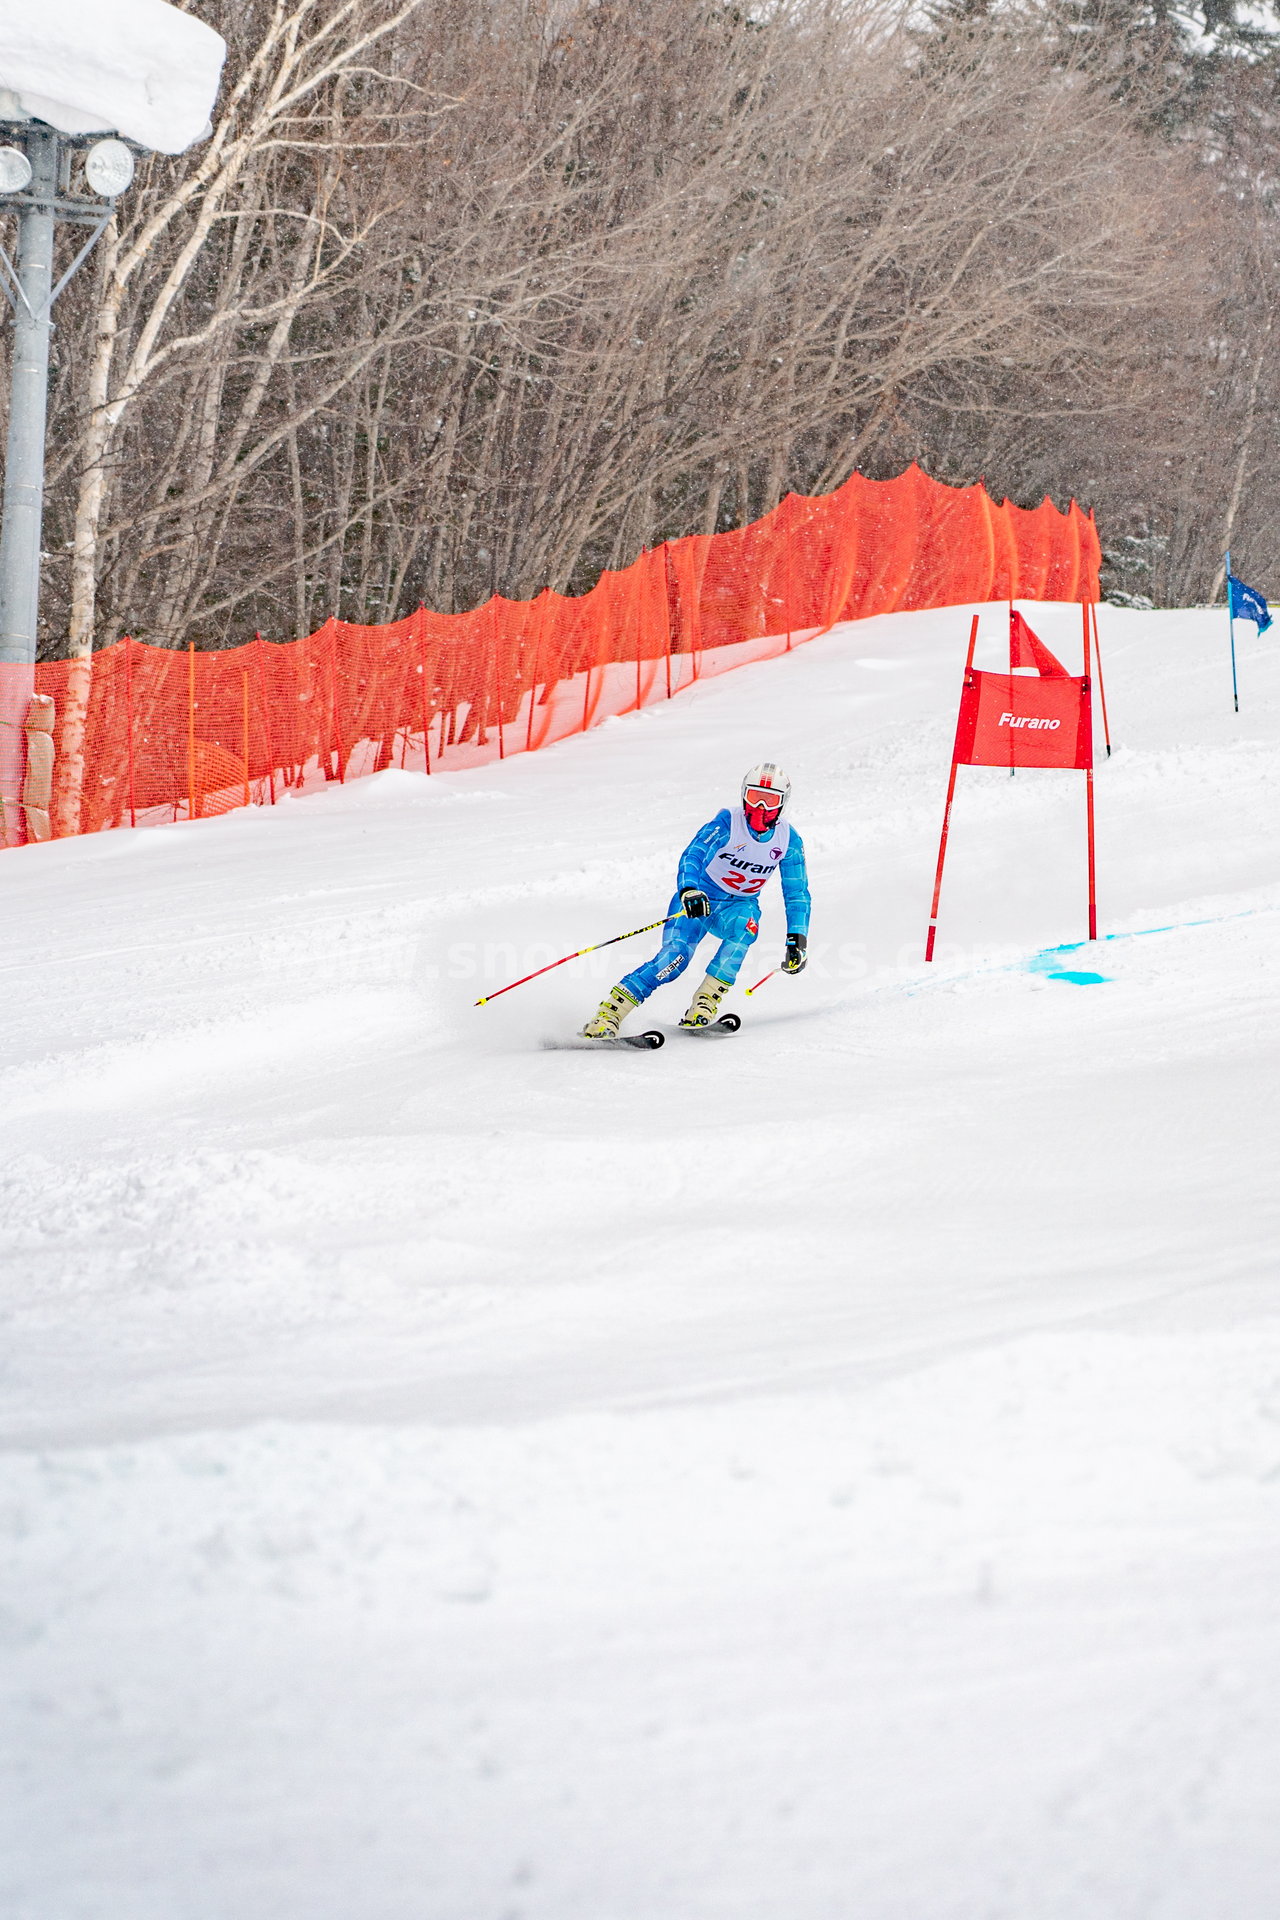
831	1474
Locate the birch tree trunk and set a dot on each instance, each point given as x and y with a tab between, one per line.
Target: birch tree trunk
90	499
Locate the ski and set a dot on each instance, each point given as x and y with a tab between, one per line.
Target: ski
579	1043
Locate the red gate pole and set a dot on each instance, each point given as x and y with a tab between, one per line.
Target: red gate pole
932	934
1097	654
1088	800
946	815
128	683
1093	887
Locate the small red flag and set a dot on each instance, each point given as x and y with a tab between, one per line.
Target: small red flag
1026	649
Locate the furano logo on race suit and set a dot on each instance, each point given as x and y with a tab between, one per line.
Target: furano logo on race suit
741	874
1022	720
740	877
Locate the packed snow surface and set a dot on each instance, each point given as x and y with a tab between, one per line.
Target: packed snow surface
138	67
827	1474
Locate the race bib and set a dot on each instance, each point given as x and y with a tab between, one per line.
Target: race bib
745	863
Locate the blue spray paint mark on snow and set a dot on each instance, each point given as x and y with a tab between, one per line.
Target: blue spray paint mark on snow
1049	963
1046	961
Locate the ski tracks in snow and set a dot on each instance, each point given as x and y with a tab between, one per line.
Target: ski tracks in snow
833	1474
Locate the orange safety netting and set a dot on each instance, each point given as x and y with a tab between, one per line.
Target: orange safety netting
173	734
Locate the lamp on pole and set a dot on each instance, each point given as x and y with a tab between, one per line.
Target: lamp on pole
31	167
29	294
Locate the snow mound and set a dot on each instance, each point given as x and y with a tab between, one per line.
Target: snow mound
137	67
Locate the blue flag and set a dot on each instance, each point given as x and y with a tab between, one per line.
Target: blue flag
1247	603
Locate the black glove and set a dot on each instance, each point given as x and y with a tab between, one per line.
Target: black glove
695	903
796	958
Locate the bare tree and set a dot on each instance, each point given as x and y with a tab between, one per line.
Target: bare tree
460	299
296	57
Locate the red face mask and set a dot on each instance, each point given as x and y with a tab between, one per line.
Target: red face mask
762	806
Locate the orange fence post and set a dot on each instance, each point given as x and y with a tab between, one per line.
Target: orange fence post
191	729
333	699
537	668
266	721
128	684
244	688
426	742
499	678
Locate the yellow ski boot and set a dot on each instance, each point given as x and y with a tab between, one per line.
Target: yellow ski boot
609	1015
704	1008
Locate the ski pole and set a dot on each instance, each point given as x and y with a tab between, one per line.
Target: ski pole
760	983
485	998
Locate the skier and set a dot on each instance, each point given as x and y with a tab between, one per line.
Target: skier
721	873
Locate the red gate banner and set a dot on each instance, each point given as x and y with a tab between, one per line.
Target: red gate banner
1013	720
1042	718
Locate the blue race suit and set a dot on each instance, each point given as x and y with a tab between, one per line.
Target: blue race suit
734	918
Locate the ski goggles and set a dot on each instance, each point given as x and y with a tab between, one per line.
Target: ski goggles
763	800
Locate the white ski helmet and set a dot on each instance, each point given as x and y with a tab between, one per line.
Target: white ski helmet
765	792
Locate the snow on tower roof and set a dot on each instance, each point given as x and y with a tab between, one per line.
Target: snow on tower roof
137	67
